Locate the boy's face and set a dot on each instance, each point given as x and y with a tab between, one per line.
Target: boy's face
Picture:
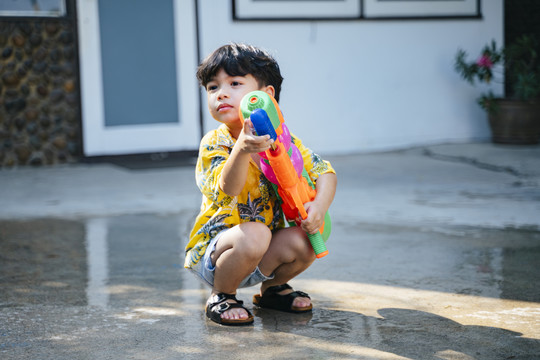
224	94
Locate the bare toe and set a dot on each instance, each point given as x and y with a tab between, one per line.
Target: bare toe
234	313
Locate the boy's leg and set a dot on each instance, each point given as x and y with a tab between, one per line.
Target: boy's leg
238	252
288	255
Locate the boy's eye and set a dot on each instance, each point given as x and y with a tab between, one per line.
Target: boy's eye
211	87
235	83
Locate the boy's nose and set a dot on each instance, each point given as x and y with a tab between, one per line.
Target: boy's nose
222	94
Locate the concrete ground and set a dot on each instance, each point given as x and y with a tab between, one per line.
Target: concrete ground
435	254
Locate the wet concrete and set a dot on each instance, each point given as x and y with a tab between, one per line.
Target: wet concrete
429	267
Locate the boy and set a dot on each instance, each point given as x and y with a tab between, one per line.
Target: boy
239	238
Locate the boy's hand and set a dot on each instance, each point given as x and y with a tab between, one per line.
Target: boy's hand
248	142
235	171
316	209
315	218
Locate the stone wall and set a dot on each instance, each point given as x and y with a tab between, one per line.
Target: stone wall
40	122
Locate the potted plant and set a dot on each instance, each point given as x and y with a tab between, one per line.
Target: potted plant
515	118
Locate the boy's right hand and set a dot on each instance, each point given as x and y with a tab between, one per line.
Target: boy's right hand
235	171
248	142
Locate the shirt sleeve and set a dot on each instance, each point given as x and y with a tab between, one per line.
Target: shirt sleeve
313	163
210	163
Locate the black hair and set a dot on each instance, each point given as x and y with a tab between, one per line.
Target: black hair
240	60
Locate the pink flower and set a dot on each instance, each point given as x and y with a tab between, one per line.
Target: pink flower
485	61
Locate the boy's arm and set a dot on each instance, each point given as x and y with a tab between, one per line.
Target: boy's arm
235	171
326	189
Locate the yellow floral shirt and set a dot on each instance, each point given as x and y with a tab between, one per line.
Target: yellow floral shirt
257	201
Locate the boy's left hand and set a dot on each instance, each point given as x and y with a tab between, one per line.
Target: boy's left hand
315	218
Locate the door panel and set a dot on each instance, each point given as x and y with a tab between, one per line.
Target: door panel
138	60
138	88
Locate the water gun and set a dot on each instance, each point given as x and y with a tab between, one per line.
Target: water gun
283	165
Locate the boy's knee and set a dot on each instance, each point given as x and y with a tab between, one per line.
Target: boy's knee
306	254
257	231
302	246
257	237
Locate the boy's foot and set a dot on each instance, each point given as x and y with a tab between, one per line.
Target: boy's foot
283	298
225	309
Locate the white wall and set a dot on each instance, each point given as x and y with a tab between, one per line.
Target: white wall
355	86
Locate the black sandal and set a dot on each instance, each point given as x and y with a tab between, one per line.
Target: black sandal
218	304
272	300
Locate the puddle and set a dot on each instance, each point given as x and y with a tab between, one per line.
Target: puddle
115	288
98	262
135	260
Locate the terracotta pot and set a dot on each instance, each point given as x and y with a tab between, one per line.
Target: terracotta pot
515	122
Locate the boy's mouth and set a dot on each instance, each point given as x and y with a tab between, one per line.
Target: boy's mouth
223	107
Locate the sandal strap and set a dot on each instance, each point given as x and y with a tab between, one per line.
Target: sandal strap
271	299
221	298
272	290
299	293
220	308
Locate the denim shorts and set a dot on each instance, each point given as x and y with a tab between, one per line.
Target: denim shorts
205	270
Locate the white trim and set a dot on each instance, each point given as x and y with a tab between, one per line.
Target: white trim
270	9
186	67
90	73
101	140
420	8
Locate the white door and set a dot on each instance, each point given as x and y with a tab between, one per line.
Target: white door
138	88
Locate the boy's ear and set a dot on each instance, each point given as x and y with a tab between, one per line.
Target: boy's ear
269	89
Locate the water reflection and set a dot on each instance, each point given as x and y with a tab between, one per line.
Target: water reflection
99	262
137	260
97	258
126	259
